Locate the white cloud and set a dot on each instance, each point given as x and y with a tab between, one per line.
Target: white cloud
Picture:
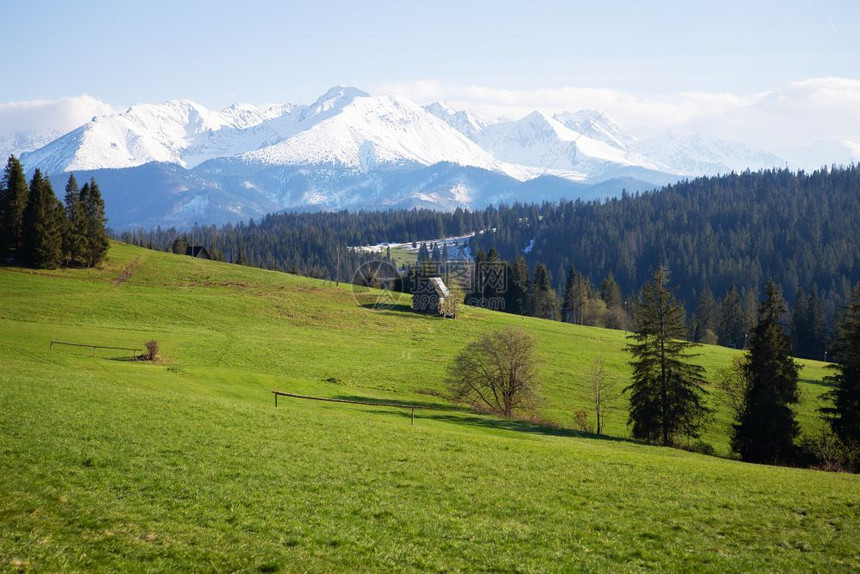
797	114
39	116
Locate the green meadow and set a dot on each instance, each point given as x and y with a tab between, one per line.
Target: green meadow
109	464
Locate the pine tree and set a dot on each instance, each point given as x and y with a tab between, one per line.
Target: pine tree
666	393
817	327
766	430
423	253
800	328
42	243
97	242
844	415
732	323
576	294
705	318
13	201
75	238
543	297
610	292
517	295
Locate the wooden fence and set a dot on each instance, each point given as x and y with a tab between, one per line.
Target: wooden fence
136	352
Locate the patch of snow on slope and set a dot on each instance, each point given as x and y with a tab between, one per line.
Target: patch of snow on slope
461	193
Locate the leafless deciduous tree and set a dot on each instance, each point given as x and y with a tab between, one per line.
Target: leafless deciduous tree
601	386
497	372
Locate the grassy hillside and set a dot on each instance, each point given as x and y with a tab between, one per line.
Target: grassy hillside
110	464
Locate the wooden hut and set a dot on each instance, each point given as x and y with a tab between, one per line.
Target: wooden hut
197	251
429	295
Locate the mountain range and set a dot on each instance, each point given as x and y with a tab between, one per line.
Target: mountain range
179	162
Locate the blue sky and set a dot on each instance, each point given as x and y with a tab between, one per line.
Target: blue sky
265	51
768	73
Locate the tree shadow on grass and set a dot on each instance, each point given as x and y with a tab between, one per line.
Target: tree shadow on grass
460	415
827	384
518	426
419	405
396	310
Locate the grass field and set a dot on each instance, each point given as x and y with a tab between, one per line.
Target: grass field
108	464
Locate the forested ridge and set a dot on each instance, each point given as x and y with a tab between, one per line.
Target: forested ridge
740	229
721	238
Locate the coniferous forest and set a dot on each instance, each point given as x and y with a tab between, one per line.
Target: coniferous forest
38	230
720	238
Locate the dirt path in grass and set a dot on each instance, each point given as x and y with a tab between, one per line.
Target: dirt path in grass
127	271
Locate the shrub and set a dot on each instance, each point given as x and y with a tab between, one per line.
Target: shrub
151	350
580	422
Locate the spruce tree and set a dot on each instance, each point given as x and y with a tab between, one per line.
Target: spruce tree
732	322
576	293
705	318
610	292
817	327
75	238
800	328
666	393
97	242
517	295
844	415
13	201
543	297
766	429
42	243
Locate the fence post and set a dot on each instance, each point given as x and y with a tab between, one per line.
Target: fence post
413	416
276	400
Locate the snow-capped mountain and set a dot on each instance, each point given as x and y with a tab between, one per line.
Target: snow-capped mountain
597	126
178	131
694	155
467	124
351	129
22	142
353	150
543	142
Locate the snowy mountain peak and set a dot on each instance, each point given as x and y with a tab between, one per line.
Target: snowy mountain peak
464	122
596	125
350	130
697	154
365	132
333	100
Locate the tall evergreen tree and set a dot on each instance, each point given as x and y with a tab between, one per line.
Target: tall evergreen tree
800	328
42	243
610	292
732	323
517	295
766	429
817	326
75	238
666	393
705	318
576	294
13	201
844	415
543	297
97	242
423	253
